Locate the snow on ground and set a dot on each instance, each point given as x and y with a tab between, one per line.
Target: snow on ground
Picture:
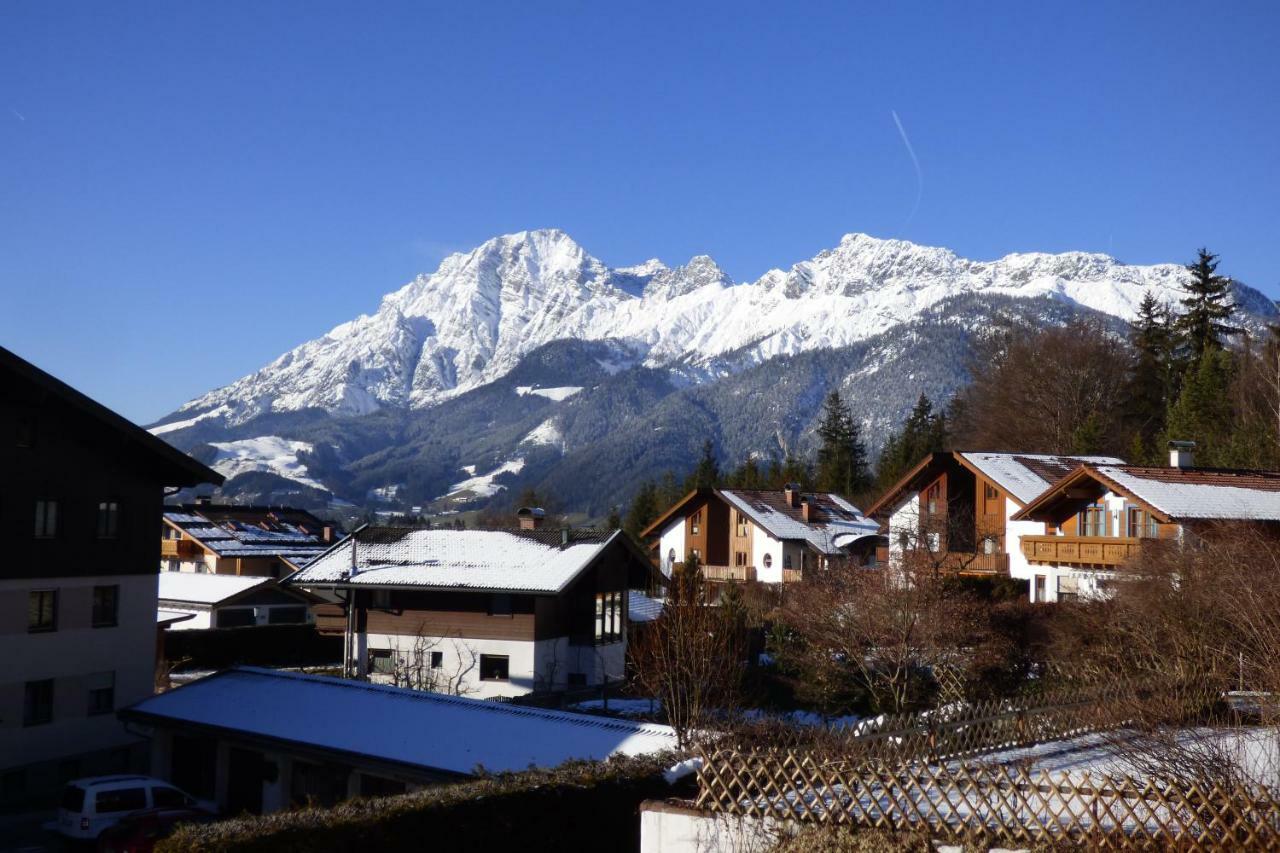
174	426
386	493
556	394
269	453
622	707
545	433
482	485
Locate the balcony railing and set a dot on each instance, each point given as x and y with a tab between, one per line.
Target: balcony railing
961	562
729	573
177	548
1080	550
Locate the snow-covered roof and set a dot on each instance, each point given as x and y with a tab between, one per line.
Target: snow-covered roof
500	560
832	517
196	588
235	531
396	724
1199	493
1026	475
642	607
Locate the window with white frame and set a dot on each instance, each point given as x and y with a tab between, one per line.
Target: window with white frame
609	625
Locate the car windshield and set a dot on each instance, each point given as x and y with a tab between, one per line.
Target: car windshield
73	798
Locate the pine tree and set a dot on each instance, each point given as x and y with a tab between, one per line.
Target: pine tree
707	473
1208	306
923	432
645	507
1203	412
842	457
1152	378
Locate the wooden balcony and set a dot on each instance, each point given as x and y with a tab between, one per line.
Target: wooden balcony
182	549
729	573
975	564
792	575
1101	551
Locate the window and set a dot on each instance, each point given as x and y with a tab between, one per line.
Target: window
577	679
608	617
235	617
739	558
1038	591
990	545
695	522
494	667
500	605
42	610
437	660
671	557
106	601
286	615
1068	588
741	523
786	561
380	599
102	693
768	561
108	519
46	519
381	662
1140	524
164	797
172	566
1092	521
933	499
37	704
122	800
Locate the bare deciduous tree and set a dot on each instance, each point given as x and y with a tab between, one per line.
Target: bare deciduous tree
691	657
412	667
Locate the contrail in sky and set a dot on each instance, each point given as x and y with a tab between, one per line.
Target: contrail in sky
902	131
17	114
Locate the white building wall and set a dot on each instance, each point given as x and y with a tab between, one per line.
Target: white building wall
532	664
763	544
671	542
75	656
904	519
204	617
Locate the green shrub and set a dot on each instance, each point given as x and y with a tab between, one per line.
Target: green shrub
578	806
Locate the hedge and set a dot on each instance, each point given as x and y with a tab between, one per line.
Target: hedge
258	645
581	805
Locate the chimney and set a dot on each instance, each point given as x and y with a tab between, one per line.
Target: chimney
1182	454
203	500
792	493
531	517
806	510
326	533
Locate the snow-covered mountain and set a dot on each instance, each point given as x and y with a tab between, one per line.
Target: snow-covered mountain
529	362
472	320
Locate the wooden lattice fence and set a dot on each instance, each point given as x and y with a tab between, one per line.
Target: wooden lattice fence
1007	804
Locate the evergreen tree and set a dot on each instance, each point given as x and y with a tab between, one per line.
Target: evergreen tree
1208	306
923	432
1153	375
707	474
645	507
1203	412
842	457
613	521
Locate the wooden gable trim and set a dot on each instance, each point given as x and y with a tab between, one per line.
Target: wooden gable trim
1059	492
982	476
904	483
675	508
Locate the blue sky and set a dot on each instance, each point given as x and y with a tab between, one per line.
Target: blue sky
187	190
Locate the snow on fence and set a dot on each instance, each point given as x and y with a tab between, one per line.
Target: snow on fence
919	770
1008	803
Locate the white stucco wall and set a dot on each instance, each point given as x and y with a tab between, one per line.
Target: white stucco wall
904	519
531	665
761	544
672	540
75	655
204	616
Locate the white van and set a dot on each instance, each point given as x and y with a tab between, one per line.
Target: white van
91	805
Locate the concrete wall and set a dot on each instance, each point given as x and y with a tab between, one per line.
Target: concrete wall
669	828
78	657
